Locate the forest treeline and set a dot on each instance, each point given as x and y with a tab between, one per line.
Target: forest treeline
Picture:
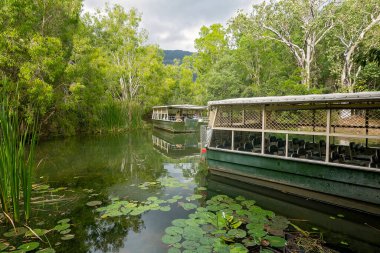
88	72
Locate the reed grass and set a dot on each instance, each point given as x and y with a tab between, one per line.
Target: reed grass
17	148
119	115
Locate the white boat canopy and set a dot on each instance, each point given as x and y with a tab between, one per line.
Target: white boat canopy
302	99
184	106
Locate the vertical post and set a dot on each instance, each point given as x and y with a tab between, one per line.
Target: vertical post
328	128
286	145
263	126
366	126
233	140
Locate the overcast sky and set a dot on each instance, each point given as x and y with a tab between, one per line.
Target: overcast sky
175	24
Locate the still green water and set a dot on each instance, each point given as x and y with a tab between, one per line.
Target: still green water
103	168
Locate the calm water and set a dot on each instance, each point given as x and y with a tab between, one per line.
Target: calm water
106	167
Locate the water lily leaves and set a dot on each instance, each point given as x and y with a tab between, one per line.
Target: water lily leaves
179	223
276	241
137	211
61	227
192	233
67	220
165	208
16	232
36	231
177	197
202	188
238	248
64	232
174	250
67	237
188	206
248	203
204	249
248	242
257	232
237	233
94	203
152	199
279	222
207	240
194	197
190	245
266	251
47	250
3	246
174	230
171	239
29	246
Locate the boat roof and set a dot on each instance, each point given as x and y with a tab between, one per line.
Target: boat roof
302	99
184	106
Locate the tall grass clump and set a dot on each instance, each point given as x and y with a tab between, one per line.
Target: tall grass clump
17	149
119	115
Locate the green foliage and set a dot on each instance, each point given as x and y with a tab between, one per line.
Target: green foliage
17	143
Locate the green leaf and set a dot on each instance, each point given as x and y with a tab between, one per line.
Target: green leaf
47	250
94	203
29	246
38	231
171	239
67	237
16	232
67	220
3	246
174	230
237	233
276	241
190	245
61	227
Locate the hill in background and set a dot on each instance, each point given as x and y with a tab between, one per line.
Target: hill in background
170	55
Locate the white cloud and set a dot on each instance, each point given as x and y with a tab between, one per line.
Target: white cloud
175	24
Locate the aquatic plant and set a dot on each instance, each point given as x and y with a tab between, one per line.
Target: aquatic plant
17	143
227	225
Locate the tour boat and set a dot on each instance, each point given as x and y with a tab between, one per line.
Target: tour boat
179	118
324	147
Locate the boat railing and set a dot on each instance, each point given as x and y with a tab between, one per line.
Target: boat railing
346	133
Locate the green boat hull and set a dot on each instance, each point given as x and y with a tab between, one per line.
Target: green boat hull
313	180
187	126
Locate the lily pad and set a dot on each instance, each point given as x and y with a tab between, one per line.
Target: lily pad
174	230
64	232
237	233
61	227
3	246
47	250
171	239
179	223
36	231
29	246
67	237
67	220
94	203
165	208
188	206
190	245
174	250
276	241
202	188
16	232
194	197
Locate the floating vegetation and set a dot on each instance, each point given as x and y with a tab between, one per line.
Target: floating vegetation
94	203
168	182
226	225
124	207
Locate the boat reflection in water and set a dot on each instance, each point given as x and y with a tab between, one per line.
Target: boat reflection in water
178	145
336	225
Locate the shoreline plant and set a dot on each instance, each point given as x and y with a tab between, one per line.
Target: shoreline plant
17	152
